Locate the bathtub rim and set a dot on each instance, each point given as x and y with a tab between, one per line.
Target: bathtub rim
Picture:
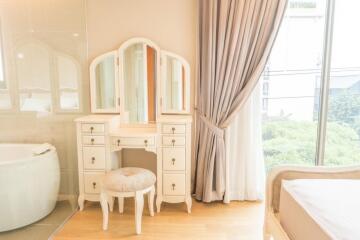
27	159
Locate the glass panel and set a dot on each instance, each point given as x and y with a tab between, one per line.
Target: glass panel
5	102
174	85
68	75
105	83
140	83
290	86
343	127
38	102
33	74
2	70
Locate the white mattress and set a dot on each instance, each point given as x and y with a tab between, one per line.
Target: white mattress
320	209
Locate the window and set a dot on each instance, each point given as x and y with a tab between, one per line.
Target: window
293	129
290	77
342	145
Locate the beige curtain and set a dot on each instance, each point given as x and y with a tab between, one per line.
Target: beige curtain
235	39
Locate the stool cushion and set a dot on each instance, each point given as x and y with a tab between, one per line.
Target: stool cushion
128	179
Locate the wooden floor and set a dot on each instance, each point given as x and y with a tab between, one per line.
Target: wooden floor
238	220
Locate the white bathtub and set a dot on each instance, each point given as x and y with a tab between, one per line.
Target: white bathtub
29	185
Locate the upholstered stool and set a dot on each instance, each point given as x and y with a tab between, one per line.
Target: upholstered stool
127	182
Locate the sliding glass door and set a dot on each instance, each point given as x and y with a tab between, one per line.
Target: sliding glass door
301	117
343	116
290	86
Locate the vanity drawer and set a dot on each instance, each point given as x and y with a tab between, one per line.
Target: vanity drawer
173	141
173	128
93	140
93	128
174	184
92	182
174	159
133	141
94	157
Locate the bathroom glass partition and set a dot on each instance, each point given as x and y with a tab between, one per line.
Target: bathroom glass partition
139	79
69	77
5	102
33	73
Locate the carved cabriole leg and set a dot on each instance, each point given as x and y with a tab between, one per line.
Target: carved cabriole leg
105	210
121	204
151	196
81	201
139	206
111	202
158	203
188	202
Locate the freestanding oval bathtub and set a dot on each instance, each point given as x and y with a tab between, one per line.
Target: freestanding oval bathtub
29	184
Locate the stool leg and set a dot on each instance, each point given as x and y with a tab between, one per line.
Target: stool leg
105	210
111	203
151	196
121	204
139	205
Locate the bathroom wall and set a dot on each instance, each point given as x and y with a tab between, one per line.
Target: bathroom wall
58	26
169	23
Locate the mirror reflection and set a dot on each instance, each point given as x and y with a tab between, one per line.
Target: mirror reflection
174	85
140	83
105	82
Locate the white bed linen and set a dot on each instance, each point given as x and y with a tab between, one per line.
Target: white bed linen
333	204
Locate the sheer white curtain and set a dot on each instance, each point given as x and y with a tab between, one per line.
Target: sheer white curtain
244	153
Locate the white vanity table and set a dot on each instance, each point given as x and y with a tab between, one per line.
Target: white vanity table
139	99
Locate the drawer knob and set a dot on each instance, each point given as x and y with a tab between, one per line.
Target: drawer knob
94	185
146	142
173	161
173	186
91	129
118	142
173	130
92	141
173	142
93	160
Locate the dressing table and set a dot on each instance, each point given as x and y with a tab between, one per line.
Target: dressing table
140	98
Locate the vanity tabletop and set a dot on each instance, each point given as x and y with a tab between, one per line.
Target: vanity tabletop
133	131
97	118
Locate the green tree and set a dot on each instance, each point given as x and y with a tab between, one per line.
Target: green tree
294	142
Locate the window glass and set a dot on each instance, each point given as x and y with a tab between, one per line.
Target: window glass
290	80
343	126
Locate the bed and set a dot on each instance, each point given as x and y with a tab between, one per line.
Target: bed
313	203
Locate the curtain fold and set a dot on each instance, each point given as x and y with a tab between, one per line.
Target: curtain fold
235	39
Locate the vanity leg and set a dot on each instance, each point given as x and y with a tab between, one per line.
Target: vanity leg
158	203
81	201
188	202
121	204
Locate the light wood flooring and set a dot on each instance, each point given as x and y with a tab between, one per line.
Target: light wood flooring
237	220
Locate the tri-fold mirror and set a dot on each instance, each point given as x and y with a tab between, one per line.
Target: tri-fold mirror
140	82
